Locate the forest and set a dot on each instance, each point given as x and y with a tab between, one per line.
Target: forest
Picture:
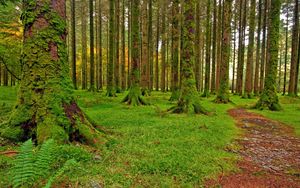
149	93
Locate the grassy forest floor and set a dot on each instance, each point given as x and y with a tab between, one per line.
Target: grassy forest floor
150	148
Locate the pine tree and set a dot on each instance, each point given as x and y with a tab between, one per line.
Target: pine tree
269	96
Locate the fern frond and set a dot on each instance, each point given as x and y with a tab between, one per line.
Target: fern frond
23	169
44	158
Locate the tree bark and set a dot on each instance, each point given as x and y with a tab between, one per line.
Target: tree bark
45	107
223	93
269	98
188	93
294	54
250	59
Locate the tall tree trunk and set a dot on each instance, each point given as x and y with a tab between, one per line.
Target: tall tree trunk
145	61
269	98
250	59
73	44
100	68
92	56
129	45
175	50
258	44
157	49
234	51
123	56
197	47
134	97
188	93
117	47
286	50
84	45
223	93
150	46
214	49
263	52
294	54
45	107
163	51
208	49
110	64
219	43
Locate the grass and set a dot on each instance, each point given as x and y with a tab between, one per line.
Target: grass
149	148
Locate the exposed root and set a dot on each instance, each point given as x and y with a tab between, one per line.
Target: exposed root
134	97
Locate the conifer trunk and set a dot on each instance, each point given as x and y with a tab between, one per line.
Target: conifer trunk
188	94
269	98
45	107
223	93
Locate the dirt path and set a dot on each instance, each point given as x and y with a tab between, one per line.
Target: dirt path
270	151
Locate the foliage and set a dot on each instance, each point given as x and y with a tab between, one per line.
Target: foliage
32	165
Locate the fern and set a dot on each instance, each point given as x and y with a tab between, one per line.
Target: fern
44	158
24	168
30	166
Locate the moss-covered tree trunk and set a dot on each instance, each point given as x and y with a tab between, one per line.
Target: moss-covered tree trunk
269	98
263	48
100	64
223	92
163	49
83	45
110	64
117	47
157	48
214	48
189	98
175	50
219	43
45	107
150	45
197	47
294	55
145	51
92	42
250	56
134	96
207	50
73	44
258	45
123	55
241	52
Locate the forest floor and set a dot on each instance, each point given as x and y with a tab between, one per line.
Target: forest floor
270	152
151	148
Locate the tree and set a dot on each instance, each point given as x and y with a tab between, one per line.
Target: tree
117	47
175	50
145	51
45	107
214	48
269	96
207	49
294	56
188	93
250	59
157	48
83	45
73	44
163	50
258	45
92	56
134	96
110	64
223	93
